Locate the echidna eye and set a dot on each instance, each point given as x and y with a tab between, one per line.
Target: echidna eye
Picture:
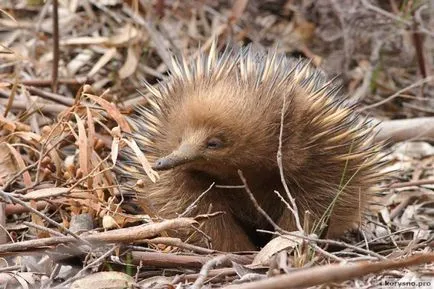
214	143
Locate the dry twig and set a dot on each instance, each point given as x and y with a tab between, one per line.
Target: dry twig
332	273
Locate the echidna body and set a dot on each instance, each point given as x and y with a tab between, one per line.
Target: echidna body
221	114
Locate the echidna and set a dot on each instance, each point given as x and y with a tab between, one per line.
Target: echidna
222	113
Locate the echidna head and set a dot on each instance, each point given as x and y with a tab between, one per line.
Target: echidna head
214	133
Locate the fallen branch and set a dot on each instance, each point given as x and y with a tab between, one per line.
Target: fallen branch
332	273
405	129
176	242
203	274
120	235
412	183
19	209
57	98
167	260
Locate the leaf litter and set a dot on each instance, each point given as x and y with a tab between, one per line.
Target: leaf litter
72	222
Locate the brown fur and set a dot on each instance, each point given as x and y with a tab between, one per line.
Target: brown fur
238	97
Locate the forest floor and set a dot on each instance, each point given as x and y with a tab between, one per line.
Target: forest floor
69	221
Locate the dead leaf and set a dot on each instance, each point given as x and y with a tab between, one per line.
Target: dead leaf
18	278
125	35
115	149
45	193
79	61
26	175
82	146
28	136
105	280
90	129
108	222
122	219
8	167
157	282
113	111
237	9
108	55
275	246
85	41
7	124
408	215
130	63
90	142
106	179
153	175
56	159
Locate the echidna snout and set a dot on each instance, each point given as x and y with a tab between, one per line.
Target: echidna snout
182	155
